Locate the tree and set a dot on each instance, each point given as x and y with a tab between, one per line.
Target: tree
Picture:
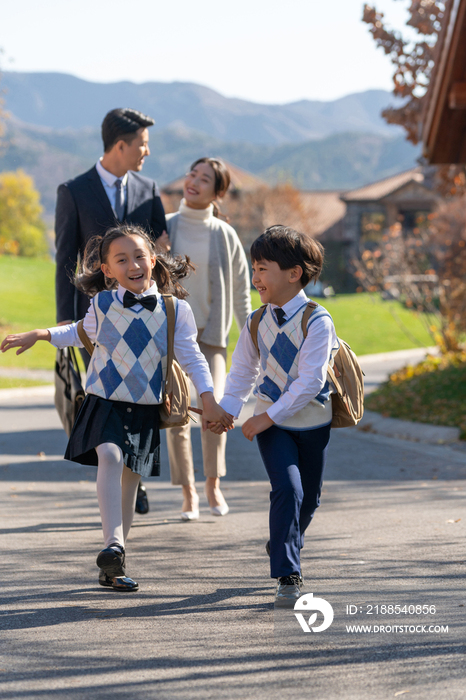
414	63
425	267
413	60
258	209
22	230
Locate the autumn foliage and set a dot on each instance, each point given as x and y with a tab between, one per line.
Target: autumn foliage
22	230
413	61
426	266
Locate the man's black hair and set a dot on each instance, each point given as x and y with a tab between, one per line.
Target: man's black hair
122	124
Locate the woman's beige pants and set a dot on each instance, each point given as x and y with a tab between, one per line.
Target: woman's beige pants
180	451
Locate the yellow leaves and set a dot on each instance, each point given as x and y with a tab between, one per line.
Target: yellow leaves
429	392
22	231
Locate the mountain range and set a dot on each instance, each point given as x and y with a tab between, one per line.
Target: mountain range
61	101
53	132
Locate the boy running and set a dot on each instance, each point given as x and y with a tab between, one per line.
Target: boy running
293	412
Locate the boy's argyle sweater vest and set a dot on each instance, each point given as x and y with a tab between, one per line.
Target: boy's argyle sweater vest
129	360
279	348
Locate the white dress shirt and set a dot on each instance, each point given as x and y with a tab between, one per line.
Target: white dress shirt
186	348
108	181
312	367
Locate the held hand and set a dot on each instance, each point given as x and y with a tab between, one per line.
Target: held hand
213	413
255	425
24	341
218	428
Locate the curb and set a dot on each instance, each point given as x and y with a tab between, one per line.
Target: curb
416	354
406	430
47	390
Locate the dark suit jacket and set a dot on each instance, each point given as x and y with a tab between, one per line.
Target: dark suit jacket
83	211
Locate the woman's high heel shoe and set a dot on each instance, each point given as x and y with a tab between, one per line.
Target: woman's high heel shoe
192	514
221	508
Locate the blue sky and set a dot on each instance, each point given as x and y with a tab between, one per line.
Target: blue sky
269	51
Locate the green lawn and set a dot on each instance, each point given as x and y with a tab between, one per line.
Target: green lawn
13	383
430	392
27	301
367	323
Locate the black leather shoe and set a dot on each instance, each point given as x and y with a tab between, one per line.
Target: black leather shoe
124	584
105	580
142	502
112	572
112	562
119	583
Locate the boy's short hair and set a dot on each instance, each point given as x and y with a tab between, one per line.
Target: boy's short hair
122	124
288	248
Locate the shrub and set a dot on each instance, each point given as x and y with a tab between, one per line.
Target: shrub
22	230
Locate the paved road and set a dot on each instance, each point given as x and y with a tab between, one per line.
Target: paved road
390	531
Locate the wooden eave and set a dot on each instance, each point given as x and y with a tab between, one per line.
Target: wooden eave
444	130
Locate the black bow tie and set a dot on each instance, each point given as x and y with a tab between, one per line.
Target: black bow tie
280	314
149	302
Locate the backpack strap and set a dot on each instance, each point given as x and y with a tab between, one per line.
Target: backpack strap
311	306
254	325
170	311
84	338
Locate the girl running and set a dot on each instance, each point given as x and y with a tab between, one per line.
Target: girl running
117	428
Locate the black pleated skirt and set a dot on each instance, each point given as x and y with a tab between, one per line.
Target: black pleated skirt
133	427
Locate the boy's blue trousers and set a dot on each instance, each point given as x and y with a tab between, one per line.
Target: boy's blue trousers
294	460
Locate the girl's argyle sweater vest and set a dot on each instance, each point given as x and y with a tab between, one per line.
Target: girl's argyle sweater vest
130	357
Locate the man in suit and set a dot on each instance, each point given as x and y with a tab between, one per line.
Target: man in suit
110	192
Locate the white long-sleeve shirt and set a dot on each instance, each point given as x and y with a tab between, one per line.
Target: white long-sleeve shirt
313	360
186	348
108	181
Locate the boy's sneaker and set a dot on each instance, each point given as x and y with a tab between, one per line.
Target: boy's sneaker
288	590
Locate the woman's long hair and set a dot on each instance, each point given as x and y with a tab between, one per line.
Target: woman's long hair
167	272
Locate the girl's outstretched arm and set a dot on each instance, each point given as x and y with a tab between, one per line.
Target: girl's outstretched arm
24	341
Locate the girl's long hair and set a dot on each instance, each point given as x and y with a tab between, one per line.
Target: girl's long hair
167	273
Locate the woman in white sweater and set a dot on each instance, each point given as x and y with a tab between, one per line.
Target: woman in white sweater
219	288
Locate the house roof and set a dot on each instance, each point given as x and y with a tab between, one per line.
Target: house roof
240	180
444	123
324	209
378	190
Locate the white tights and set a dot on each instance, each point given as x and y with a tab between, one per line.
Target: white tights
117	488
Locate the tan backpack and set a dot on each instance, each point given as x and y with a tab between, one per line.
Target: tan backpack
346	375
175	398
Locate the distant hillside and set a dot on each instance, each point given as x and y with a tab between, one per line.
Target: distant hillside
341	161
61	101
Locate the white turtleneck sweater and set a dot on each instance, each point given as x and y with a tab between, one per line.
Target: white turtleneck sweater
193	239
220	286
